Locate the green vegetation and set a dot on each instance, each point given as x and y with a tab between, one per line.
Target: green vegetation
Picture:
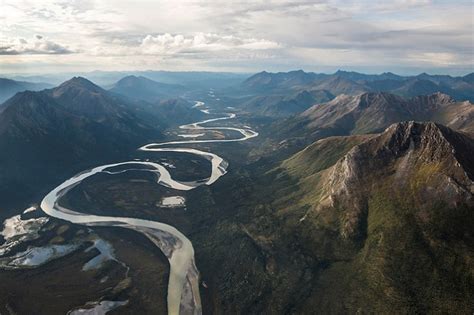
321	155
415	255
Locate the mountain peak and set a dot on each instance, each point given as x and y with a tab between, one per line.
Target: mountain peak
404	154
297	72
410	129
131	76
83	97
435	143
29	110
132	79
341	72
77	83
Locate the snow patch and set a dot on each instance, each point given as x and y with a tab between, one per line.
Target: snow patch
106	252
173	202
15	231
98	308
36	256
168	164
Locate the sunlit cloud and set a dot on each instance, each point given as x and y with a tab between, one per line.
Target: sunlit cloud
171	44
38	45
223	35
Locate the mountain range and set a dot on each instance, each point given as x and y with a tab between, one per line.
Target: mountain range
353	83
284	105
373	112
46	134
356	196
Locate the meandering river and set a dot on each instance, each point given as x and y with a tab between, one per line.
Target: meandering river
183	287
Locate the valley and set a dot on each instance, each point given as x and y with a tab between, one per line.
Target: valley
236	157
183	288
223	206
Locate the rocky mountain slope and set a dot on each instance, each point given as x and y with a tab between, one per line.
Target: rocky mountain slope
373	112
391	219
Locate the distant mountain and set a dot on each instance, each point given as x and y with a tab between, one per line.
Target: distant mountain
414	87
362	77
373	112
178	111
190	79
353	83
50	134
8	87
285	105
142	88
337	84
469	78
384	213
385	85
265	81
437	78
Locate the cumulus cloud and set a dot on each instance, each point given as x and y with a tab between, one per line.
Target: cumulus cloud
38	45
167	44
278	34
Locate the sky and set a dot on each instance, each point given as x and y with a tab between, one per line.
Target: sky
401	36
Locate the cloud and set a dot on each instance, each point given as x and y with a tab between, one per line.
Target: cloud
246	35
38	45
167	44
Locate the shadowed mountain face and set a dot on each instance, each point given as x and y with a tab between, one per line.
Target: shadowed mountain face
142	88
159	100
373	112
81	97
45	135
285	105
387	215
178	111
8	87
353	83
264	81
338	84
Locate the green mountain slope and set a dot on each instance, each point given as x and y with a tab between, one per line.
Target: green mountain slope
391	220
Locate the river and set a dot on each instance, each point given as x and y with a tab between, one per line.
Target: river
183	286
